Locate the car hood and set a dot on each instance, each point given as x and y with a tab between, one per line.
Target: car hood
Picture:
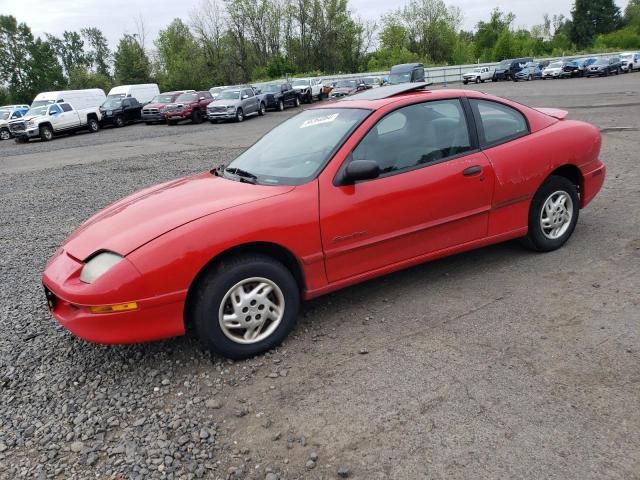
225	102
155	105
139	218
300	87
343	90
471	74
26	118
3	123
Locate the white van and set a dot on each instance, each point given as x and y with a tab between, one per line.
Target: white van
144	93
79	99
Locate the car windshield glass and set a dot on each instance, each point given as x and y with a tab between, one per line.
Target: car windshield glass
271	88
229	95
295	151
555	65
112	103
300	83
161	99
602	61
369	81
626	56
38	110
346	84
504	64
395	78
39	103
187	97
4	114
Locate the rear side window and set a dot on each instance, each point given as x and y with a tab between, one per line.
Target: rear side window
497	123
66	107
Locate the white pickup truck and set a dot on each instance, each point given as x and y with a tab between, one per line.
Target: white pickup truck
46	121
477	75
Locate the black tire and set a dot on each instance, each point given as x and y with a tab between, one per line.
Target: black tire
494	79
118	122
219	280
239	115
536	239
297	101
281	105
262	109
92	125
481	81
5	134
21	140
213	121
196	117
465	81
171	123
477	79
148	123
46	133
529	78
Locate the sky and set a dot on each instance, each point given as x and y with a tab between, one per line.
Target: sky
115	17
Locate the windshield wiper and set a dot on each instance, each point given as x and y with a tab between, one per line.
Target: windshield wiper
243	174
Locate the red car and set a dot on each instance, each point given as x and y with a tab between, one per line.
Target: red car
336	195
188	106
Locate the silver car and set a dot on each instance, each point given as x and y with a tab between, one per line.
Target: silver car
235	104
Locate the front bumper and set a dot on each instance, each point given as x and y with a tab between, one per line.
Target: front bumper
177	115
221	115
593	179
28	133
152	117
157	317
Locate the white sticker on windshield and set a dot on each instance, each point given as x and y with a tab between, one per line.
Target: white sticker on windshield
319	120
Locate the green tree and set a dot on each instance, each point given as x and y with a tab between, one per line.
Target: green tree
99	55
131	64
488	33
70	51
593	17
181	62
505	46
45	71
16	40
632	13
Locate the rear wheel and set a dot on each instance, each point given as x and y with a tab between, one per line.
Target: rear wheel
245	306
553	214
5	134
118	122
46	133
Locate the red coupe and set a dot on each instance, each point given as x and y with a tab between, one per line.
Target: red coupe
336	195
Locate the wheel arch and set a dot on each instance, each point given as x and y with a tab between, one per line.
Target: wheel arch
571	173
273	250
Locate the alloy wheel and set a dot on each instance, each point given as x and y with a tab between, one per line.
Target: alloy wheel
556	215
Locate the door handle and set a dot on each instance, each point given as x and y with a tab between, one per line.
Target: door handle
472	170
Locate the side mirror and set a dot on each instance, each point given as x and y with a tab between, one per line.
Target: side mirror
201	98
361	170
244	97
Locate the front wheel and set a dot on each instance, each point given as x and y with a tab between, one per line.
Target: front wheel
529	78
262	110
553	214
5	134
196	116
93	125
239	115
118	122
465	81
46	133
245	306
281	105
297	101
477	79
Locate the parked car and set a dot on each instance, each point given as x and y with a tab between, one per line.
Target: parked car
630	61
347	86
406	73
308	89
531	71
372	82
188	106
143	93
236	104
230	253
477	75
555	70
46	121
603	67
583	64
120	111
80	99
507	69
279	95
8	113
154	110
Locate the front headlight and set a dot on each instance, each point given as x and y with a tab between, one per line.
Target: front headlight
31	124
98	266
230	109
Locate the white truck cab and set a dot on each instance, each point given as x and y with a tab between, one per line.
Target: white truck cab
477	75
48	120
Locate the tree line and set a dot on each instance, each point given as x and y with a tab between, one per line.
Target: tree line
225	42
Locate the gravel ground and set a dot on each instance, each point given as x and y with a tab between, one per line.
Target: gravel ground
498	363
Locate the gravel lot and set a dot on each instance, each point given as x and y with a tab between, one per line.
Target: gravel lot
498	363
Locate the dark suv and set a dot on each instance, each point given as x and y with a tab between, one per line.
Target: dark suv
278	95
507	69
120	111
603	67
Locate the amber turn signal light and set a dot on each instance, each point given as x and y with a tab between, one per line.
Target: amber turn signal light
121	307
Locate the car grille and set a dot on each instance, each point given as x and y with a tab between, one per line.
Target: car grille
216	109
17	127
151	111
174	108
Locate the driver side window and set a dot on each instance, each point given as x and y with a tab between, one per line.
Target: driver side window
54	110
416	136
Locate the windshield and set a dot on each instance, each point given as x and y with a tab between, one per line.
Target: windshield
4	114
271	88
504	64
555	65
346	84
296	150
38	111
300	83
39	103
112	103
187	97
626	56
229	95
162	99
369	81
602	61
396	78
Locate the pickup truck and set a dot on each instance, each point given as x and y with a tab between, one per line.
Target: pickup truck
237	103
279	95
477	75
188	106
46	121
8	113
120	111
308	89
